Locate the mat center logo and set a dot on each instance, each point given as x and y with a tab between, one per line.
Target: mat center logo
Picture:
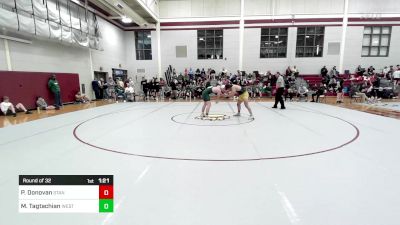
213	117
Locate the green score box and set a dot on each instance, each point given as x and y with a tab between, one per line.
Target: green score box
106	205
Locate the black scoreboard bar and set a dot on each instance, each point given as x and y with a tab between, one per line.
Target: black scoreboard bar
66	179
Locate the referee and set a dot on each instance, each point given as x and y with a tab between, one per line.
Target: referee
280	89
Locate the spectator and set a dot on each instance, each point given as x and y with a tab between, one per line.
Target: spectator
333	73
295	71
55	89
42	104
288	71
130	93
120	89
302	92
111	88
203	73
96	88
360	90
339	95
79	97
190	73
8	108
162	87
174	90
320	91
371	71
103	88
145	87
155	87
385	72
290	93
332	84
396	76
324	71
360	71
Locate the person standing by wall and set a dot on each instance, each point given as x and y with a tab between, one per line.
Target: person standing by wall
55	89
280	89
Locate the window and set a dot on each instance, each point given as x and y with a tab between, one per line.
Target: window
376	41
273	42
210	44
310	41
143	45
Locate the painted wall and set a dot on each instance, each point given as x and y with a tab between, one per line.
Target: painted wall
382	6
199	8
252	60
47	56
25	87
113	44
288	7
354	47
215	8
150	66
171	39
3	62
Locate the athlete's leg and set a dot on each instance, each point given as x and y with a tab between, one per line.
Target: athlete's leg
246	104
208	107
204	108
238	104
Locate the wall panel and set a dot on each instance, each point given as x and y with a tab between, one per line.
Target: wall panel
171	39
24	87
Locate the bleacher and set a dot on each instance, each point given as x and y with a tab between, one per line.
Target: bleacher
315	79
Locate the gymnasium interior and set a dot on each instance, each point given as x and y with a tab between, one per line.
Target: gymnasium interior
195	112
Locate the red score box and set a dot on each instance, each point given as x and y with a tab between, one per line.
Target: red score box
106	192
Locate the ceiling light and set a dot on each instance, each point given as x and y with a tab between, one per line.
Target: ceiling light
126	19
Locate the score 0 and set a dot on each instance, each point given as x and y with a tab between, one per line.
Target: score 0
106	195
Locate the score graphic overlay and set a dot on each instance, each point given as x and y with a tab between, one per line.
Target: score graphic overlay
66	193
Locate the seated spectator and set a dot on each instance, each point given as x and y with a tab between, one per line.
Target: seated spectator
302	92
320	91
360	91
120	89
267	89
290	93
8	108
79	97
130	93
41	104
